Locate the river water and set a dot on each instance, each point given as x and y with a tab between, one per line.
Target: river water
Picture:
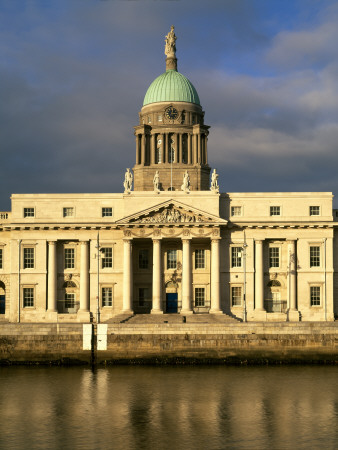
189	407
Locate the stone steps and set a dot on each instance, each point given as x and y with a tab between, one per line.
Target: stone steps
153	319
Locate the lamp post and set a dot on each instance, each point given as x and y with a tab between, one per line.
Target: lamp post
244	290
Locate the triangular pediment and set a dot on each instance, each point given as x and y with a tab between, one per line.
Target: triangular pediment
172	212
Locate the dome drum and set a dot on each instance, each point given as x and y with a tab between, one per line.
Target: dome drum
159	114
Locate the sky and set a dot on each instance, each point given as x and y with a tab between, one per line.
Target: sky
73	75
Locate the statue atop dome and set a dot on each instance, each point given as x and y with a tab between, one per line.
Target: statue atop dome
170	49
170	43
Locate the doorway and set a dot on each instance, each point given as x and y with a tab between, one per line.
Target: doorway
171	300
2	298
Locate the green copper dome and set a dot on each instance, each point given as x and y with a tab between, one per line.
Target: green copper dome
171	86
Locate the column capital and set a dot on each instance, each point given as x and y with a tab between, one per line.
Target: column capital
215	239
291	241
259	241
52	242
186	239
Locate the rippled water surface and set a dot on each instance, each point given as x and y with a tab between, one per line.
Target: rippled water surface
169	408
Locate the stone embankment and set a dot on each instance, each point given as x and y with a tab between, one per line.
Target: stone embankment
172	341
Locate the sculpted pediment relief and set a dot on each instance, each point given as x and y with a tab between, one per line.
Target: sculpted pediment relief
172	213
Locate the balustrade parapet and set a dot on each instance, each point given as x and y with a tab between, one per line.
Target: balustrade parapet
5	216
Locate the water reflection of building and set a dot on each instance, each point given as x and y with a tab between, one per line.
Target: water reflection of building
172	243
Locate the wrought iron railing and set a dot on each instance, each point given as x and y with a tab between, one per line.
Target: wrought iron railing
275	306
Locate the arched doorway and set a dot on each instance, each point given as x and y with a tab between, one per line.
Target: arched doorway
171	297
2	298
275	303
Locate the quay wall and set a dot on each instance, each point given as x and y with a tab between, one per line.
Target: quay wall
249	343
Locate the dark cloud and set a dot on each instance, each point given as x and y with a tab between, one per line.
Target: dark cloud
73	78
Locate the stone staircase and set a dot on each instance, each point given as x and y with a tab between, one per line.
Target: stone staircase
158	319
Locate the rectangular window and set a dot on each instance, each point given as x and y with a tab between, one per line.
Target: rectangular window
159	117
274	210
199	258
143	296
149	119
68	212
107	296
315	295
106	257
199	296
314	256
28	258
274	257
69	300
107	212
143	259
236	295
314	210
28	212
1	258
236	256
236	210
69	258
171	259
28	297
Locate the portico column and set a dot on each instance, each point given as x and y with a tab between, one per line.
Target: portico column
137	149
215	306
189	148
127	276
199	153
84	277
143	149
259	286
152	149
180	149
166	152
186	277
157	307
292	275
195	149
52	277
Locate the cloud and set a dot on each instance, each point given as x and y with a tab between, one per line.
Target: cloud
73	77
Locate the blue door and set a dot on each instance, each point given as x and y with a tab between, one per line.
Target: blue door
2	304
171	303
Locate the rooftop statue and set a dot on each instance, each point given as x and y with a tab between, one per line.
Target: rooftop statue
214	182
170	43
128	181
186	182
156	182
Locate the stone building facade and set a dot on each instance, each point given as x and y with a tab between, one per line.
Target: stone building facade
172	243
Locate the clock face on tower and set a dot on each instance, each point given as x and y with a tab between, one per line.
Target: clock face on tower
171	113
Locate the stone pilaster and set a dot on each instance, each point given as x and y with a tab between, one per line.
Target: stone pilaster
83	313
127	277
293	314
259	312
186	277
52	282
215	307
157	291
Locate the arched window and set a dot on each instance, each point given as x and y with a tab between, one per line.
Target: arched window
274	283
